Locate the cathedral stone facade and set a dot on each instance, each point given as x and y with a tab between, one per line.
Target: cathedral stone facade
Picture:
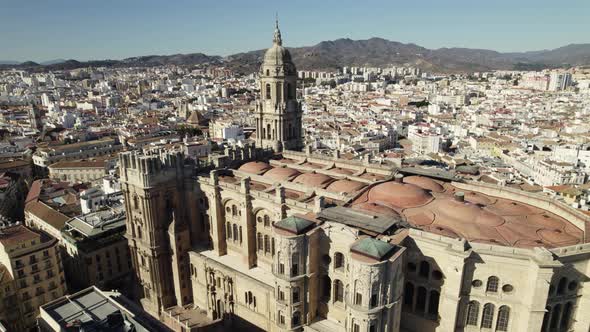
290	241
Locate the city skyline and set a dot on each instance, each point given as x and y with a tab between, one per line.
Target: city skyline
70	30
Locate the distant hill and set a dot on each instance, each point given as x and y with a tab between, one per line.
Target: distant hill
331	55
52	62
140	61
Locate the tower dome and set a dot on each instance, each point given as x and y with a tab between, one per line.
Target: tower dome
277	57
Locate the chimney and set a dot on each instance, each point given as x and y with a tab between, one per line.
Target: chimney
214	177
319	204
245	184
460	196
280	192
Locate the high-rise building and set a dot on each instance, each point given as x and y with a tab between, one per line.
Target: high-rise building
559	81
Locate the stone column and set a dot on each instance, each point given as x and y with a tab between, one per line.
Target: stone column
249	225
217	217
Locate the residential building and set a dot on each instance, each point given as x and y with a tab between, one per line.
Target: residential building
32	260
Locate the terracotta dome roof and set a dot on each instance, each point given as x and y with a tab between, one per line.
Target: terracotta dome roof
376	208
445	231
281	173
465	212
511	208
420	217
558	237
340	170
424	183
313	179
401	195
477	198
345	186
255	167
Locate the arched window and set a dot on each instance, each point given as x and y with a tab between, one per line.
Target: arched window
259	240
138	232
566	316
267	94
503	317
472	313
135	202
338	260
266	221
487	317
338	291
561	285
409	295
433	303
555	317
492	285
421	300
272	246
228	230
327	288
279	89
235	232
268	131
234	210
240	234
424	269
266	244
267	72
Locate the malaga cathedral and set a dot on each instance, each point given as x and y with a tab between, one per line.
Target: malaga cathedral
268	236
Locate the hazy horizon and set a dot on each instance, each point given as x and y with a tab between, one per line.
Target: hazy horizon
66	29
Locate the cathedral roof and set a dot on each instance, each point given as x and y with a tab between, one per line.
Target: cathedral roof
372	247
294	224
441	209
281	173
255	167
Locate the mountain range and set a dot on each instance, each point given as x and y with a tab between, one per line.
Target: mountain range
330	55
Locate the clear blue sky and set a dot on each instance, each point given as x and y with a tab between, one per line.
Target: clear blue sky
42	30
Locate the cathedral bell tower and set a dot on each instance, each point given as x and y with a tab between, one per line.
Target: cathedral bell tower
278	113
